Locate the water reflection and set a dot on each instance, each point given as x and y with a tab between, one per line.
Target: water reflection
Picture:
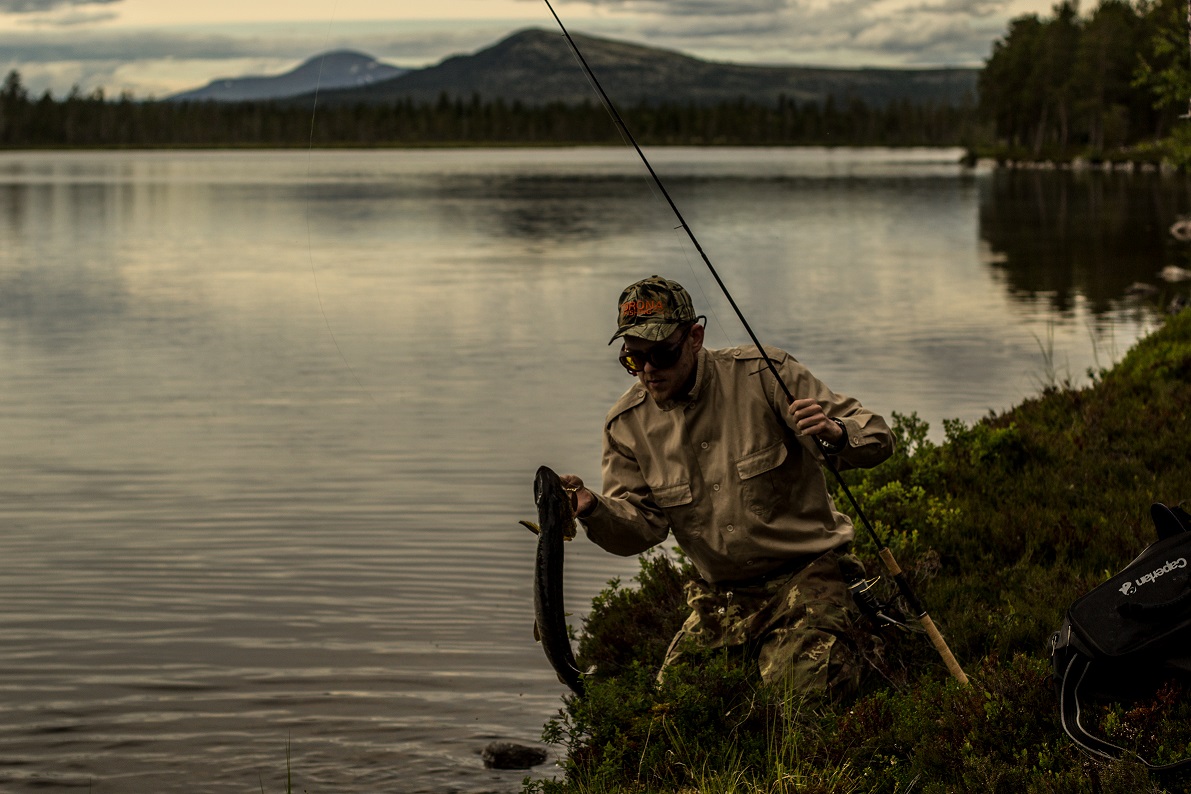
54	287
1064	235
270	419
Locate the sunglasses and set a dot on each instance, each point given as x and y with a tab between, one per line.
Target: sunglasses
661	356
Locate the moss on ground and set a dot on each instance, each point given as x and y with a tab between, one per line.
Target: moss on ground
1000	528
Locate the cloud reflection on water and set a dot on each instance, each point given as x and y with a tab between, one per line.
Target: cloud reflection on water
289	405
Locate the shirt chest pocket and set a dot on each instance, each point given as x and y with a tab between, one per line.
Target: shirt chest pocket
671	496
763	480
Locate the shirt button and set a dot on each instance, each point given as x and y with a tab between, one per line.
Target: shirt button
736	352
704	445
748	562
715	487
733	529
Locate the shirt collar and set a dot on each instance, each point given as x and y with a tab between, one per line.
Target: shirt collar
690	398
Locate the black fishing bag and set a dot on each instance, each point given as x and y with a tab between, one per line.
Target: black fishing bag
1130	634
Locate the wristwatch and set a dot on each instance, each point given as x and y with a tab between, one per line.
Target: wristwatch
838	446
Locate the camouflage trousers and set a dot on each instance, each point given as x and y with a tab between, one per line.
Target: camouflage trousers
797	625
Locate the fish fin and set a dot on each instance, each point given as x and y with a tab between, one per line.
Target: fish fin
532	527
537	635
571	531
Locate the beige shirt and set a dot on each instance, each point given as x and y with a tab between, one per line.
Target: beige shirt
724	470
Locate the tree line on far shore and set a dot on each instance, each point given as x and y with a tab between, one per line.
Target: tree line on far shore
1117	80
93	120
1092	85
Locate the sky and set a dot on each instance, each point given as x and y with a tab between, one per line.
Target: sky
152	48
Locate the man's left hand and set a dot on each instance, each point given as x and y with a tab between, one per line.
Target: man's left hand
810	420
582	500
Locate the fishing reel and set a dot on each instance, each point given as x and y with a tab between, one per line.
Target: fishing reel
884	615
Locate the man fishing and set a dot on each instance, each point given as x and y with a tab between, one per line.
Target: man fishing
706	445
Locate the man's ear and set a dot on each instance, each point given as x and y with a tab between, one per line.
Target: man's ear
697	337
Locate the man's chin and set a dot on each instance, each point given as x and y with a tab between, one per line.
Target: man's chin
658	393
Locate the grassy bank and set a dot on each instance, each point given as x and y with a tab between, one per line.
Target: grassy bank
1001	526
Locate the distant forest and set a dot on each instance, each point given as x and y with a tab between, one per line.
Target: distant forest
93	120
1051	87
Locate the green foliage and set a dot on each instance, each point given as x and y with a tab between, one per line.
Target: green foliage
1067	86
1164	68
1174	149
710	726
1000	528
628	625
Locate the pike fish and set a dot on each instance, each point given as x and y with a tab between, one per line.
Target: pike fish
556	523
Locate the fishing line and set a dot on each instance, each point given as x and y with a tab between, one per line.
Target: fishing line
626	137
620	123
884	552
318	82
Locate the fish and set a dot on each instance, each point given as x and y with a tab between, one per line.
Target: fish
556	524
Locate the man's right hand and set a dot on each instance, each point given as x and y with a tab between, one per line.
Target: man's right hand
582	500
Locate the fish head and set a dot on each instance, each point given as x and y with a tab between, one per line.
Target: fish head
541	482
549	493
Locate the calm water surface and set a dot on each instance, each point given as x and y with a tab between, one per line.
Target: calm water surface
270	418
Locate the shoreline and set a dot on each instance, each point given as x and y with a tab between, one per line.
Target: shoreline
460	145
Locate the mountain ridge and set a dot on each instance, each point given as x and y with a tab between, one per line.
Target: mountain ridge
336	69
535	67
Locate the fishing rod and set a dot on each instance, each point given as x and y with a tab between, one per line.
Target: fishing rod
886	555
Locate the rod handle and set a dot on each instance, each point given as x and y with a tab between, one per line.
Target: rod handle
890	563
936	639
932	631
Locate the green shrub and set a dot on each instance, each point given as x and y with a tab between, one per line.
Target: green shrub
999	529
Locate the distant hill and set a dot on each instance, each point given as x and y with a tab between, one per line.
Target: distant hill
339	69
536	67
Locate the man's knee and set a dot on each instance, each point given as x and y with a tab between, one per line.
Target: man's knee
811	662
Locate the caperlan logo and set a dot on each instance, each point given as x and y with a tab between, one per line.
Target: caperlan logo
1129	588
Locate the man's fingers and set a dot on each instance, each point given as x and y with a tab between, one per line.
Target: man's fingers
575	490
812	428
808	416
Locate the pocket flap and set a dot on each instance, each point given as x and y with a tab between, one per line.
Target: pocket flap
760	462
673	495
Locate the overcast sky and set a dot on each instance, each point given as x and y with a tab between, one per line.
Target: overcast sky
157	47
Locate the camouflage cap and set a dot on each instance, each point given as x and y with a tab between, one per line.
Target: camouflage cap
652	309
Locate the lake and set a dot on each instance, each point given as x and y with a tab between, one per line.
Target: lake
270	418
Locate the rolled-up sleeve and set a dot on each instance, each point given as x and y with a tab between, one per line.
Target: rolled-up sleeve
625	520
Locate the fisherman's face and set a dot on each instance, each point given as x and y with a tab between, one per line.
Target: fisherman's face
674	381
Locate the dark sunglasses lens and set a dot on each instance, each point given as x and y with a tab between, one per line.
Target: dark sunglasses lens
661	358
665	357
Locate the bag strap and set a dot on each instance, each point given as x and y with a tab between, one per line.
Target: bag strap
1070	716
1169	521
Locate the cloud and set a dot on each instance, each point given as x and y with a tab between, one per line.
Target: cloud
75	19
145	45
964	8
159	62
63	51
716	8
886	33
405	49
42	6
